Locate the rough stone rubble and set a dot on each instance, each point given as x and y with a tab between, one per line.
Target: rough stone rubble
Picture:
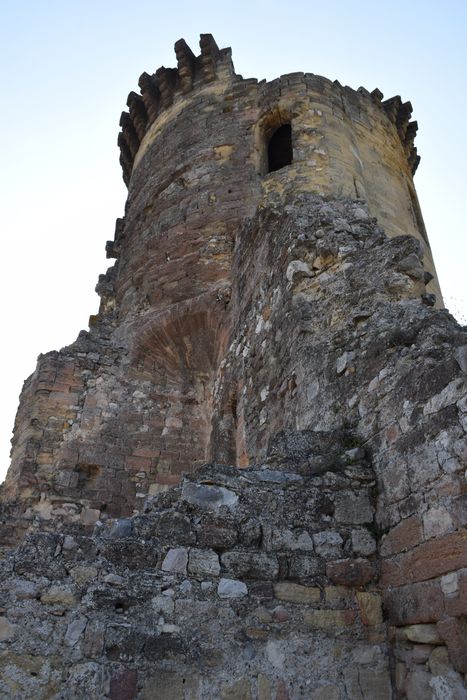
335	568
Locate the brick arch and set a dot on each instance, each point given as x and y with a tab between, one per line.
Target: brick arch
189	336
181	349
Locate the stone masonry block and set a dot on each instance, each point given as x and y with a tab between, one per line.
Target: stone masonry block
350	572
426	561
203	562
453	631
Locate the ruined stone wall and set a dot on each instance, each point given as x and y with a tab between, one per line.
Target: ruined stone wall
278	329
128	408
335	567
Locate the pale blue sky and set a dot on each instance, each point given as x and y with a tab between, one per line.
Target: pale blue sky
66	70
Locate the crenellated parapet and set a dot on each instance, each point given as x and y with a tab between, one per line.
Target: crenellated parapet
162	88
399	114
204	135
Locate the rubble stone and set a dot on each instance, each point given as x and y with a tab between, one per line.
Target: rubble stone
370	608
58	595
7	630
203	563
363	543
453	632
418	684
294	593
422	634
350	572
229	588
176	561
209	497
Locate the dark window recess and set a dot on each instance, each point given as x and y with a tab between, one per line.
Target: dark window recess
280	148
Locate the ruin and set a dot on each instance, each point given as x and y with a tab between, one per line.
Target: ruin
247	480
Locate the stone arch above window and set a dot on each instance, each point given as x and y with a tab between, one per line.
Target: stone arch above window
274	140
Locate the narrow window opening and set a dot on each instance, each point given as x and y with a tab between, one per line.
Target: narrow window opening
280	148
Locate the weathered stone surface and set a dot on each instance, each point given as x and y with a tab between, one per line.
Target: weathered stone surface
302	566
365	683
405	535
265	390
418	684
363	543
123	684
339	596
289	540
421	653
22	589
208	497
294	593
230	588
74	630
350	572
250	565
7	629
328	544
353	509
264	687
331	620
453	631
439	661
328	692
217	537
58	595
454	587
414	603
370	608
173	685
422	634
461	357
450	584
120	529
163	604
241	690
94	636
170	525
203	562
450	686
114	579
176	560
282	692
426	561
82	574
437	521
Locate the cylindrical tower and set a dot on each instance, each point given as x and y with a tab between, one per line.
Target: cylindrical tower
198	149
155	387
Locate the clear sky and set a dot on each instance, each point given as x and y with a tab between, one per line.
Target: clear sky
66	70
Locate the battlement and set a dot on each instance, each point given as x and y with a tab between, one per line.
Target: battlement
160	90
399	113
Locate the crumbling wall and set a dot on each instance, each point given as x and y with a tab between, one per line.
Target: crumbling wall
265	326
232	586
331	567
128	407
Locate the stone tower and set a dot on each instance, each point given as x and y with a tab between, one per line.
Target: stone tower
272	314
